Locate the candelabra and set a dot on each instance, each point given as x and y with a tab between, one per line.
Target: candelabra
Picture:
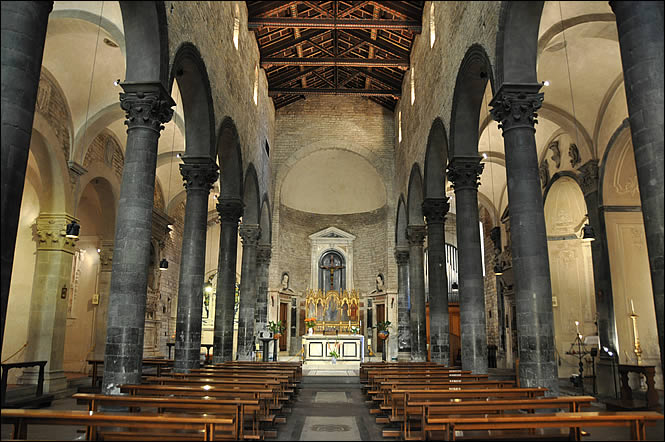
637	349
578	349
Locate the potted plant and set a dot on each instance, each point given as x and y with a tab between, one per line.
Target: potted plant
276	328
383	329
310	323
355	329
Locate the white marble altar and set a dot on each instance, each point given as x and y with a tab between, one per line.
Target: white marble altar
349	347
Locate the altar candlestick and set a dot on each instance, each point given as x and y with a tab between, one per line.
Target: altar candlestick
632	307
637	348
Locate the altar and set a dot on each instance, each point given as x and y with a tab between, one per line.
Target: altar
349	347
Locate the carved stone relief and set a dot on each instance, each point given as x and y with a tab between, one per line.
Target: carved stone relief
556	153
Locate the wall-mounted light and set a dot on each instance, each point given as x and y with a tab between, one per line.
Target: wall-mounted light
587	233
207	288
163	264
498	269
546	83
73	230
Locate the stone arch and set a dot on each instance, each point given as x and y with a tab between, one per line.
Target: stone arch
107	198
472	76
229	155
266	221
189	70
53	105
517	42
557	176
618	139
436	158
414	207
251	198
146	41
97	171
401	223
96	124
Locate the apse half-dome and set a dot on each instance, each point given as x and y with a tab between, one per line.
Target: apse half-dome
333	182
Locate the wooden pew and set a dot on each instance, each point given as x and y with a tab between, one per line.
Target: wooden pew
238	408
162	366
386	387
374	382
636	420
206	427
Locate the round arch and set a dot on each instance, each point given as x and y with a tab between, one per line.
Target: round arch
230	160
414	207
400	224
265	221
251	198
436	159
57	197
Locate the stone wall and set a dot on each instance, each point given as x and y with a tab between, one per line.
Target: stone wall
52	104
353	124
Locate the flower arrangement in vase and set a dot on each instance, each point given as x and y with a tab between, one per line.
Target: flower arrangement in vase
310	323
276	328
383	329
354	329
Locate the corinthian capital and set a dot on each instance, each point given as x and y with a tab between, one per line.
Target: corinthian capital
435	210
464	172
199	173
230	210
263	254
515	105
147	105
402	256
250	234
416	235
50	230
589	177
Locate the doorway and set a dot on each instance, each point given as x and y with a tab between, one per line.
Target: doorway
380	317
283	315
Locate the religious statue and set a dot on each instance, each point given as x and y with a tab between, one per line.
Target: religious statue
379	284
319	311
285	284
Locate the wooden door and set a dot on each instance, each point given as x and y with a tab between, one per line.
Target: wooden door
283	314
380	317
455	334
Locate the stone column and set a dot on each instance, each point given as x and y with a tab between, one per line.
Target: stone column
464	173
103	289
403	304
230	211
514	106
48	305
249	233
23	36
435	211
416	236
640	29
263	254
147	106
199	174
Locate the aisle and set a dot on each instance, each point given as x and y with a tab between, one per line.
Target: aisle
330	408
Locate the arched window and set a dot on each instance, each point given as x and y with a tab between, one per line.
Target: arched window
413	84
432	26
399	126
236	26
256	85
332	271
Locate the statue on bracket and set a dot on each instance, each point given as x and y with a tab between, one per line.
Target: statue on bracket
379	284
285	284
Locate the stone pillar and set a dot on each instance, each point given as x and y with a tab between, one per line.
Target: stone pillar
464	173
103	289
147	106
230	211
263	254
403	304
48	306
199	174
416	236
23	36
435	211
249	233
514	106
640	29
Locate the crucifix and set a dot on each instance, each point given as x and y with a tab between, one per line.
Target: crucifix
332	267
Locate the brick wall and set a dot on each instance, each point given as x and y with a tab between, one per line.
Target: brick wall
325	122
52	104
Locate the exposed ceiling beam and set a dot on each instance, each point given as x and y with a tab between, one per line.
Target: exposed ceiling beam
359	92
381	77
353	9
266	8
329	61
320	48
379	44
288	78
317	8
289	42
330	23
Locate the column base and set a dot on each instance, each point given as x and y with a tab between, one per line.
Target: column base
54	381
608	383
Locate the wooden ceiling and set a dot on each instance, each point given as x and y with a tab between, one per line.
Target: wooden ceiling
335	47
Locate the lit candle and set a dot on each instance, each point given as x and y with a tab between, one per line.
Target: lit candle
632	307
577	326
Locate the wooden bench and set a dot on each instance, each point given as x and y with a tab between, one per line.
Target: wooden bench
40	399
636	420
161	365
240	409
206	427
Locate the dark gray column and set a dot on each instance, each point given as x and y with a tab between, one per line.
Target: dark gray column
263	255
416	237
147	105
435	211
230	211
23	36
640	29
464	173
514	106
601	279
199	174
403	304
249	233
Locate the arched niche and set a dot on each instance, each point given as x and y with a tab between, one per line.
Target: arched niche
251	198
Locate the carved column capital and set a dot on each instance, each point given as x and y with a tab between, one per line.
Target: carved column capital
464	172
515	105
106	256
250	234
589	177
416	235
435	210
402	256
198	173
230	210
147	105
263	254
50	230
